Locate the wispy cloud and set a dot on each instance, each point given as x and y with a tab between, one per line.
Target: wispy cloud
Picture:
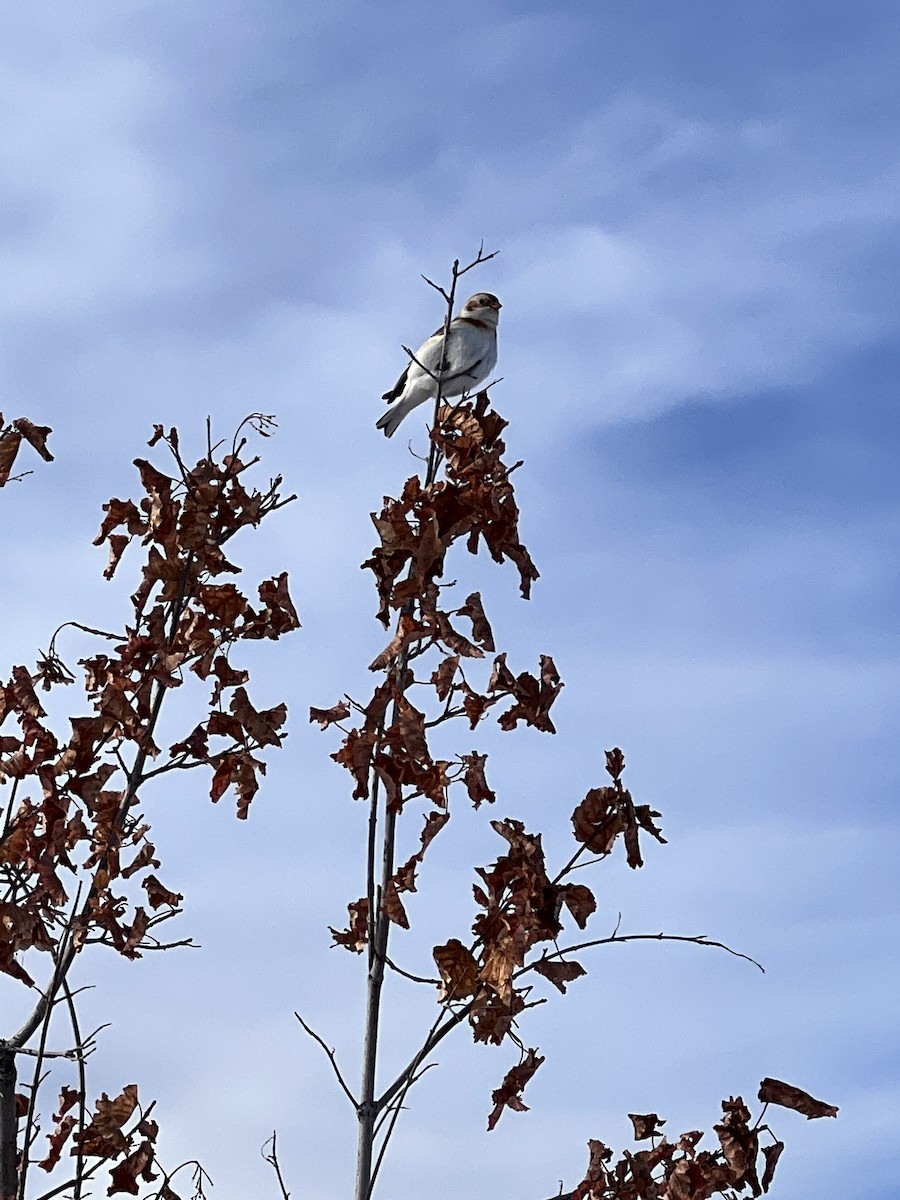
224	209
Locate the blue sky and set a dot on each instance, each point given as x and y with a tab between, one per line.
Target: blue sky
221	208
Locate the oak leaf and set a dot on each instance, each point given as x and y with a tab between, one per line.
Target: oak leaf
559	973
458	969
356	935
509	1093
646	1125
329	716
103	1136
124	1176
773	1091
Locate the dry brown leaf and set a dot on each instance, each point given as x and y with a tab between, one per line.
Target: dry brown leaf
773	1091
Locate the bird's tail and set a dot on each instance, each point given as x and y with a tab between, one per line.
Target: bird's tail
389	421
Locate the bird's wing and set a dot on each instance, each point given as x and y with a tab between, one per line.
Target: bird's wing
463	354
428	349
397	389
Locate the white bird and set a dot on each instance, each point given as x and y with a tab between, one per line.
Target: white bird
470	354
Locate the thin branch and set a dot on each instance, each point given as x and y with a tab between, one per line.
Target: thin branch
410	976
272	1159
73	1055
396	1105
7	816
66	945
371	849
411	1074
331	1058
110	637
434	455
699	939
175	765
187	943
421	366
82	1085
395	1109
478	260
437	1034
440	1031
75	1181
437	287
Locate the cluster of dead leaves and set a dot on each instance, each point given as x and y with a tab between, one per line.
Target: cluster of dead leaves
475	502
79	815
11	438
523	908
118	1131
388	747
607	812
73	819
679	1171
487	979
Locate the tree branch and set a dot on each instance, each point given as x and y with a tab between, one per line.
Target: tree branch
699	939
272	1159
331	1058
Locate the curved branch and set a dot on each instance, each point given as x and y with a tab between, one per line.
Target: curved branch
331	1058
699	939
409	975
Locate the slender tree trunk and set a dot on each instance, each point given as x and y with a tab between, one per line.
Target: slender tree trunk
379	923
8	1126
367	1110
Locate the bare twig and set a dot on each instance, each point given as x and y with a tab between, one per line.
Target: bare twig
408	975
447	1022
699	939
65	945
456	274
82	1086
272	1159
331	1058
411	1074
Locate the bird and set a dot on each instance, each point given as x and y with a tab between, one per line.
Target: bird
469	356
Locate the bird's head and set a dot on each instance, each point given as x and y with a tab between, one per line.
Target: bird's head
482	307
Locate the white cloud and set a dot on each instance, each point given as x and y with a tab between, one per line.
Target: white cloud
652	251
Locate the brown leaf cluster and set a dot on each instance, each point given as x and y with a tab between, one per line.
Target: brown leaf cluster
608	812
389	749
107	1137
523	909
76	797
509	1093
11	438
678	1171
522	906
474	501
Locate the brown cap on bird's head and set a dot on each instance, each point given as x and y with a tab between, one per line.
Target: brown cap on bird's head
483	300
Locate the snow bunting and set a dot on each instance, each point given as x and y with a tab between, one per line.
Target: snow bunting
469	357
